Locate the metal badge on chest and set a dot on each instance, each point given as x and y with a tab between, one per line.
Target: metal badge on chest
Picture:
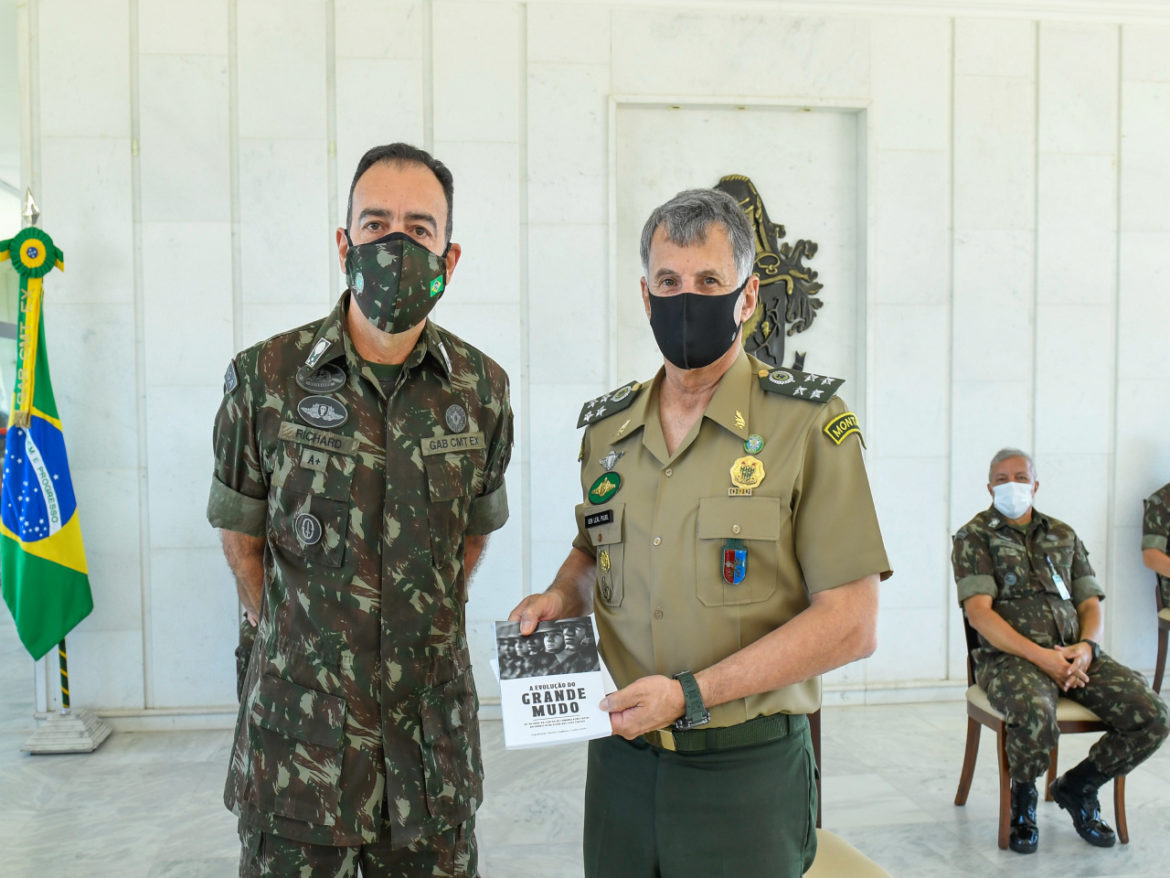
322	411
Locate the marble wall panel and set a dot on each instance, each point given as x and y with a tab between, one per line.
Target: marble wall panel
179	464
84	72
568	309
184	148
179	27
910	73
911	646
994	152
1142	315
549	23
663	51
186	302
1143	56
910	251
91	352
109	510
286	226
487	222
381	29
918	544
1076	237
910	363
105	669
477	99
993	305
193	630
1145	141
1077	88
86	206
1074	380
568	129
281	61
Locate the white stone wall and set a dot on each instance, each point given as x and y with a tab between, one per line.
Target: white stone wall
193	160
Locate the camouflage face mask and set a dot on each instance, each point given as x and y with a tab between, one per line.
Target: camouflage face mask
395	280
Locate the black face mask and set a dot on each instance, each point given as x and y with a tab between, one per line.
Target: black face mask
694	331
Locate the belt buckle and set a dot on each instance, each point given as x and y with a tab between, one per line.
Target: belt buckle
661	738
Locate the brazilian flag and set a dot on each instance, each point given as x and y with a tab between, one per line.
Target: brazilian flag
43	574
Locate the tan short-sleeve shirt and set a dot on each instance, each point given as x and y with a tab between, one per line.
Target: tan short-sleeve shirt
662	601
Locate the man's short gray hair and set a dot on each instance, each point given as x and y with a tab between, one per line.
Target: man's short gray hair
688	215
1007	453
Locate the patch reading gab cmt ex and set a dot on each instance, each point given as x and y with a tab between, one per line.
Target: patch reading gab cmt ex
842	426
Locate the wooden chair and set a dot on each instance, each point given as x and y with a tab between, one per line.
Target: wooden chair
1071	718
837	858
1163	630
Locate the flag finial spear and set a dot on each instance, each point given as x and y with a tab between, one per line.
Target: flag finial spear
31	212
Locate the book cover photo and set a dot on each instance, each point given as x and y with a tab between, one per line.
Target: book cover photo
551	683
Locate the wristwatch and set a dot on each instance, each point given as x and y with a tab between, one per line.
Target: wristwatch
1095	646
697	714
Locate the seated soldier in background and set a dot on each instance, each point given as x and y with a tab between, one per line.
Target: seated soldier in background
1026	585
1155	531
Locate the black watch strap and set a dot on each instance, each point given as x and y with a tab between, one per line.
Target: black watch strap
697	714
1095	646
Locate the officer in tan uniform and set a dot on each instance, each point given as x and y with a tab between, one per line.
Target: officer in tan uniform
728	544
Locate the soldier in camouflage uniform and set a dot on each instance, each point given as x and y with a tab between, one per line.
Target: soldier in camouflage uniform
1155	532
359	466
1026	585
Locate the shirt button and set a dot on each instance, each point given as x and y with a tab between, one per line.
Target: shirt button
658	541
658	614
669	471
735	528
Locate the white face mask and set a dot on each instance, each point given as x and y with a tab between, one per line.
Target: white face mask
1013	499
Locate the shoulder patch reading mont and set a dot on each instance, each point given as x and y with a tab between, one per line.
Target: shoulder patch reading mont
800	385
606	404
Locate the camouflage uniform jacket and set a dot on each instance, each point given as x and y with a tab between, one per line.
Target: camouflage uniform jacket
359	693
1156	530
1022	570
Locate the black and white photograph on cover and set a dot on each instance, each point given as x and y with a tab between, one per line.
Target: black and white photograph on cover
566	646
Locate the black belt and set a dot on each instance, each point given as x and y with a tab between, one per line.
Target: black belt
760	730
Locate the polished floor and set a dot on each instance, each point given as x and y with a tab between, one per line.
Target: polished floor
148	804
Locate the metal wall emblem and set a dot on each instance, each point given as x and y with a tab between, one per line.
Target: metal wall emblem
788	288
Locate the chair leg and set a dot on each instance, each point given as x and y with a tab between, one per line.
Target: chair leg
814	728
1051	773
1005	787
969	756
1160	664
1119	808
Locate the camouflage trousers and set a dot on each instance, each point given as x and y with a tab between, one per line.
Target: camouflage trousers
1026	696
450	854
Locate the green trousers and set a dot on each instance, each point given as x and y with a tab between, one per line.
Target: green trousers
743	813
449	854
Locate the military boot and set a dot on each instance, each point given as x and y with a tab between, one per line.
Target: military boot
1024	834
1076	792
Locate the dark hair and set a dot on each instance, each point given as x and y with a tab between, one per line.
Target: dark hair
401	154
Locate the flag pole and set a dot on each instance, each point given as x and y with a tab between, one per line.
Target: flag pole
63	661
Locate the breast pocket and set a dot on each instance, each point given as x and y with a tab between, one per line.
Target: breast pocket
605	529
452	481
737	550
308	510
1011	567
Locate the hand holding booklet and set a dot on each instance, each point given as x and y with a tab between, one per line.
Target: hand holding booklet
551	683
